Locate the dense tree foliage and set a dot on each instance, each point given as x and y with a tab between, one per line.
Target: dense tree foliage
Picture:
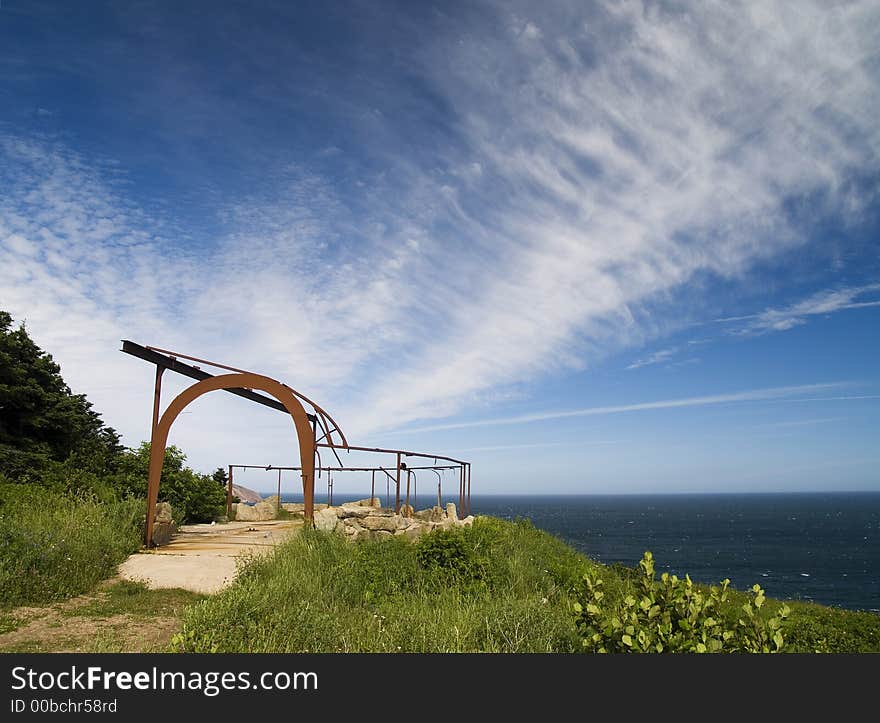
52	438
194	497
41	420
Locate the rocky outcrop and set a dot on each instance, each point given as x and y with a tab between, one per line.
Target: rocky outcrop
364	519
246	495
164	525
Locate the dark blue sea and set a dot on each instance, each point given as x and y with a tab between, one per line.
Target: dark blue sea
821	547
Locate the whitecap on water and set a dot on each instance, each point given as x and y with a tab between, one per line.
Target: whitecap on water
805	574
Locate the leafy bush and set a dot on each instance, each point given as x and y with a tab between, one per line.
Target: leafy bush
447	553
194	497
674	616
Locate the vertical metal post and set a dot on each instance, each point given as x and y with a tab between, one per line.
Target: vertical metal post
151	512
157	394
415	491
408	476
330	489
439	495
309	484
279	489
373	487
397	494
468	488
460	491
229	495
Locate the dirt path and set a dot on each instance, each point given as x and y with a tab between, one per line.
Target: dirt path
203	558
117	617
141	609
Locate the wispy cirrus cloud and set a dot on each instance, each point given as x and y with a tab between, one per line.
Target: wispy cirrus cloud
657	357
819	304
594	161
789	393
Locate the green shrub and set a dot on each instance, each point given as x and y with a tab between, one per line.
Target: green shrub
194	497
674	616
446	553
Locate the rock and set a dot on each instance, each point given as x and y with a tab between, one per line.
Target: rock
406	510
382	534
387	523
259	512
353	509
164	526
417	530
326	520
368	502
163	512
297	508
274	500
450	511
466	522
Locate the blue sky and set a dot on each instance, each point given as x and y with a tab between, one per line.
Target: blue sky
592	247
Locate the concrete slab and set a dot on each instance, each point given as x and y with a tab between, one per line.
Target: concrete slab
203	558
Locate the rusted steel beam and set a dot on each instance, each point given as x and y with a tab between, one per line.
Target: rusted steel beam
339	469
159	436
405	453
318	410
157	396
167	362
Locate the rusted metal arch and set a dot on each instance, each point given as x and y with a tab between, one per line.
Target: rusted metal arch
321	415
239	380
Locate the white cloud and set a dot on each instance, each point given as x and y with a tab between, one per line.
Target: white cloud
821	303
602	165
658	357
753	395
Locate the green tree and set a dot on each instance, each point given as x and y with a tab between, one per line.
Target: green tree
41	421
221	477
193	497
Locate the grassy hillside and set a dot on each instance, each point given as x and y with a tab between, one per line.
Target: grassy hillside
55	546
496	587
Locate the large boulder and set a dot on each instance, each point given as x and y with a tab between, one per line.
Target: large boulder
353	509
164	526
374	523
274	501
450	511
326	520
259	512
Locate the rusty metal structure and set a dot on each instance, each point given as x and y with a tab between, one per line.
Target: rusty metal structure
307	425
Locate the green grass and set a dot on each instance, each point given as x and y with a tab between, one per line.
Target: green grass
128	597
53	546
318	592
8	623
496	587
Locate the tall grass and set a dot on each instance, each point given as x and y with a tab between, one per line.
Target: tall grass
496	587
53	546
319	593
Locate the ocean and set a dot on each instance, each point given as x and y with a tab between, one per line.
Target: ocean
820	547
